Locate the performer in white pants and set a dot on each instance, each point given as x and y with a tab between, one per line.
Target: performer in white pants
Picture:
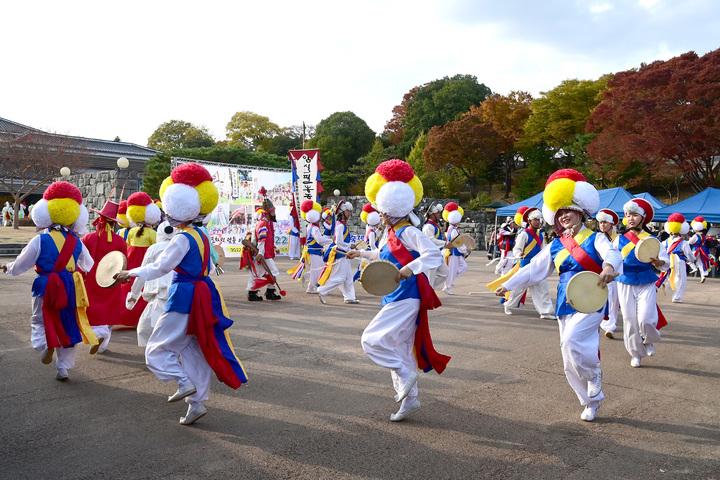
454	257
567	198
506	241
401	326
528	243
697	243
338	268
155	292
432	230
312	258
607	220
680	255
637	292
195	307
265	237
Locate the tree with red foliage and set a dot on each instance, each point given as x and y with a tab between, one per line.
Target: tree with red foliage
665	115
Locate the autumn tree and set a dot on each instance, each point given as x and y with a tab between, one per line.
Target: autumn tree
442	183
342	138
433	104
506	115
179	134
468	146
662	116
250	130
29	161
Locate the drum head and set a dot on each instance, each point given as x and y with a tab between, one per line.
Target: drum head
107	267
648	247
221	252
361	245
458	241
468	241
584	294
378	277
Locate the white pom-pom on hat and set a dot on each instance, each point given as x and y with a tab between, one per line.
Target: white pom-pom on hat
181	202
41	215
152	214
373	218
685	229
395	199
698	226
79	226
586	197
454	217
312	216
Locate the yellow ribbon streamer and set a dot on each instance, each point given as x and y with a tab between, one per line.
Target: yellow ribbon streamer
328	267
81	304
673	271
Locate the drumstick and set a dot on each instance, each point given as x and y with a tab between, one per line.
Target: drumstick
272	277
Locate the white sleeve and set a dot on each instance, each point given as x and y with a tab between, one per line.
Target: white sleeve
137	286
430	256
27	258
539	268
663	255
520	242
319	237
372	236
688	252
170	258
85	261
429	232
339	230
608	252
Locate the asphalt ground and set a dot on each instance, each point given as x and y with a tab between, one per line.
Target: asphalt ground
316	407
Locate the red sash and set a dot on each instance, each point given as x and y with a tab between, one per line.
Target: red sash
425	354
662	321
580	255
56	297
535	236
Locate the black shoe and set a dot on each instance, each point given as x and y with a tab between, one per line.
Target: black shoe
253	296
271	295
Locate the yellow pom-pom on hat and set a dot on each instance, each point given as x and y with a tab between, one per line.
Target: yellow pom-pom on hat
675	223
519	215
63	203
189	193
568	189
394	189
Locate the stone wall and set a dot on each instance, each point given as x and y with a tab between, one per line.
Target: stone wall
96	187
476	223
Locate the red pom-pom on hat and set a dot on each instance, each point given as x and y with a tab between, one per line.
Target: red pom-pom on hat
63	190
368	208
698	219
566	173
395	171
140	199
122	209
451	206
190	174
676	217
306	206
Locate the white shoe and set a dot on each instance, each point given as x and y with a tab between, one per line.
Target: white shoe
193	414
595	386
548	316
62	374
507	311
650	350
412	380
312	292
182	392
635	362
702	280
677	301
322	298
402	414
588	415
448	291
354	300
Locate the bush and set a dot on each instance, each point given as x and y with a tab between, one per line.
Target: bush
478	202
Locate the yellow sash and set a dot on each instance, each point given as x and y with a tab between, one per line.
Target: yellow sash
81	304
328	267
304	258
201	246
580	238
59	241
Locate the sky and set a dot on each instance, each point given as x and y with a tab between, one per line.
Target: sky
103	70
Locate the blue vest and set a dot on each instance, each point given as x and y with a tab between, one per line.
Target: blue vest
46	261
338	253
568	268
677	250
635	272
314	248
182	290
536	249
408	288
453	251
437	233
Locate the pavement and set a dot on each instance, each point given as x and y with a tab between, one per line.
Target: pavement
316	407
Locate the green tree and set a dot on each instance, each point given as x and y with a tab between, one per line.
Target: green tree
435	104
179	134
290	138
366	165
157	168
342	138
250	130
443	183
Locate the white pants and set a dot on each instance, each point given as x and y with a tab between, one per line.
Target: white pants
313	272
260	272
149	318
579	344
294	246
699	265
505	264
168	342
456	266
680	280
341	277
104	332
389	340
437	276
638	304
610	325
540	297
65	355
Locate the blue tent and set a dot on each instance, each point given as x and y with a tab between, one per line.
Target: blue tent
612	198
705	204
648	197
